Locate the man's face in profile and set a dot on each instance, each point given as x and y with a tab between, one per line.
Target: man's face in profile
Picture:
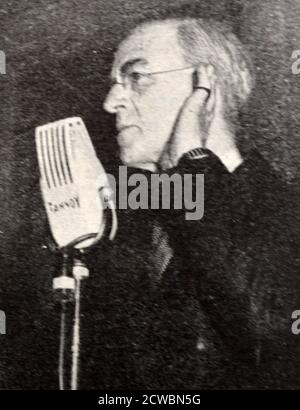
145	97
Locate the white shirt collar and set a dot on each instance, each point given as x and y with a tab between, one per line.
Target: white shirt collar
231	159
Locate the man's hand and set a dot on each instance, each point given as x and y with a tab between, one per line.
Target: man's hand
195	118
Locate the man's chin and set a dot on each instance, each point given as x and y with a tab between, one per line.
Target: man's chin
130	160
128	136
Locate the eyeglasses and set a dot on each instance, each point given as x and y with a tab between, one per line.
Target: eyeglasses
135	78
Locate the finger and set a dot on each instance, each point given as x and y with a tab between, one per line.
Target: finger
204	91
201	91
211	78
204	73
196	103
207	79
189	116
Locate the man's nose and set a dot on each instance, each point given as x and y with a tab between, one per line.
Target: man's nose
116	98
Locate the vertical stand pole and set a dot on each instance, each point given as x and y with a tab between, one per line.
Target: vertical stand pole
80	272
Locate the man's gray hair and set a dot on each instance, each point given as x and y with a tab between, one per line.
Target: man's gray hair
209	41
213	42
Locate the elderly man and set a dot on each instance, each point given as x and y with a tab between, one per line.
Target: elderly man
218	299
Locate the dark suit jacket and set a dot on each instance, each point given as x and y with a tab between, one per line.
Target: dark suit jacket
171	303
202	304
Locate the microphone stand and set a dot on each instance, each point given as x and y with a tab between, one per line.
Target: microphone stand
80	272
71	290
66	285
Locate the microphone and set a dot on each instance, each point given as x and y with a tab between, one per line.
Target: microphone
74	185
76	191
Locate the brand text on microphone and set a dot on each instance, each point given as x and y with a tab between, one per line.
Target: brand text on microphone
158	191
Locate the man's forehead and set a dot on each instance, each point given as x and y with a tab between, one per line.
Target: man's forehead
157	44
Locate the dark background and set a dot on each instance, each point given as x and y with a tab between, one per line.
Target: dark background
58	60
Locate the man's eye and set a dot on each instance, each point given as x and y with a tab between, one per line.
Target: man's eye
135	76
139	79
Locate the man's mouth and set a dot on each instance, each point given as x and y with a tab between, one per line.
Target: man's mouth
124	127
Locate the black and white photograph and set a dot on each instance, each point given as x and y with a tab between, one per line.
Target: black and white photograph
150	197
